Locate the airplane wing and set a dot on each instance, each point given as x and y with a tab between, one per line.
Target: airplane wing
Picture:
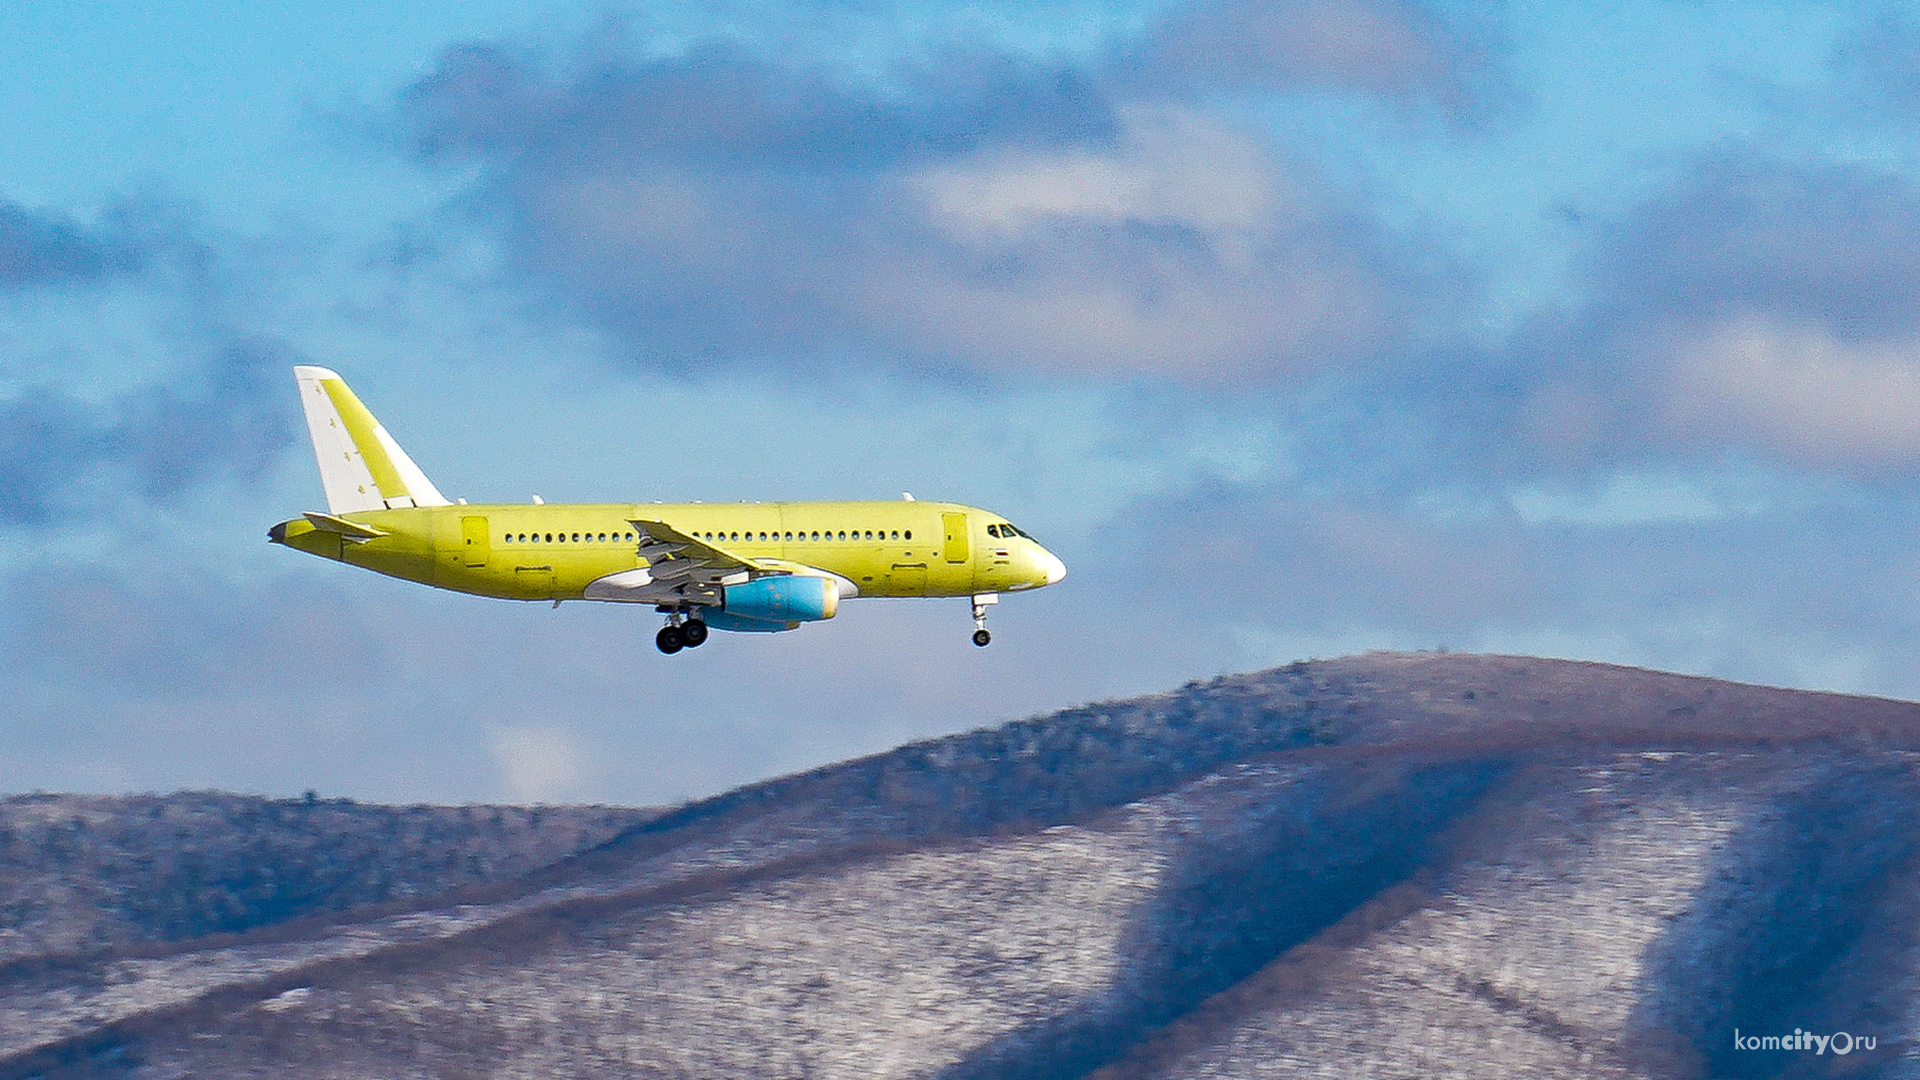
679	570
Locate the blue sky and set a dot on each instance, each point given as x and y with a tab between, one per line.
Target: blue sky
1297	328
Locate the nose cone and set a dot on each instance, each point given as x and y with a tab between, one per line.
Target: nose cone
1051	566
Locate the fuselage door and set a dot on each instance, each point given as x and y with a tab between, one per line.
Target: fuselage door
474	547
956	544
908	579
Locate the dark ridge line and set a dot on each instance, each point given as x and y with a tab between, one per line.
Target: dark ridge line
1361	687
1411	659
761	793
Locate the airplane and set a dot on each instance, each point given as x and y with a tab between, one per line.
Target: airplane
743	567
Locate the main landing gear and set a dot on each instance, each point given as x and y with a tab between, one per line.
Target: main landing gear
980	601
677	635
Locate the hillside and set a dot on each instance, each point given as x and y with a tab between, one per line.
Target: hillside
1389	865
82	875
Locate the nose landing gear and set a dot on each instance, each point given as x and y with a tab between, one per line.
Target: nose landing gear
980	601
678	634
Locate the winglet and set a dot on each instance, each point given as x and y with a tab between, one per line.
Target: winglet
361	467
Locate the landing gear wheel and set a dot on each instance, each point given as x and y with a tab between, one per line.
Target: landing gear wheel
670	639
693	633
981	601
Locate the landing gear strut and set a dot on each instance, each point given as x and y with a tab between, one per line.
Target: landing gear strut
980	601
677	634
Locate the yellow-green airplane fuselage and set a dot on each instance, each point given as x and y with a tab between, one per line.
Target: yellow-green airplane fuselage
744	567
554	551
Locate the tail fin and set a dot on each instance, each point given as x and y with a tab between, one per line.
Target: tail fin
361	466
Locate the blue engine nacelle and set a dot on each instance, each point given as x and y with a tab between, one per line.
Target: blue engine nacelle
774	603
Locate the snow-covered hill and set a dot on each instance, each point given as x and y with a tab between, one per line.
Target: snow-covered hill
1389	865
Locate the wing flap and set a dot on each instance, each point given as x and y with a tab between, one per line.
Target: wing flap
679	570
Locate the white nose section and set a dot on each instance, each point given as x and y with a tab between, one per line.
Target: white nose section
1056	570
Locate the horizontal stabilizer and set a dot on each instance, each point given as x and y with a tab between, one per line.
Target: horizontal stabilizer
351	530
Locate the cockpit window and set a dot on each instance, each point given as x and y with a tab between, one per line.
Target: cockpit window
1004	529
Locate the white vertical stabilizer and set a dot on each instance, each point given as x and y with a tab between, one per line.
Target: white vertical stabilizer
361	466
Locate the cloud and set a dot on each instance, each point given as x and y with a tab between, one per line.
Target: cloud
538	764
128	372
1803	586
1278	555
139	632
981	212
1880	53
1839	243
64	458
1800	388
38	249
1757	305
1398	50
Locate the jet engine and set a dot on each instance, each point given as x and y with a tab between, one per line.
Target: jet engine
774	603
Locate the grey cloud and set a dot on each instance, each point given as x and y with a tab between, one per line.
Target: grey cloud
985	212
1398	50
724	107
1757	305
232	419
63	458
1838	243
1807	593
1880	53
44	438
38	249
